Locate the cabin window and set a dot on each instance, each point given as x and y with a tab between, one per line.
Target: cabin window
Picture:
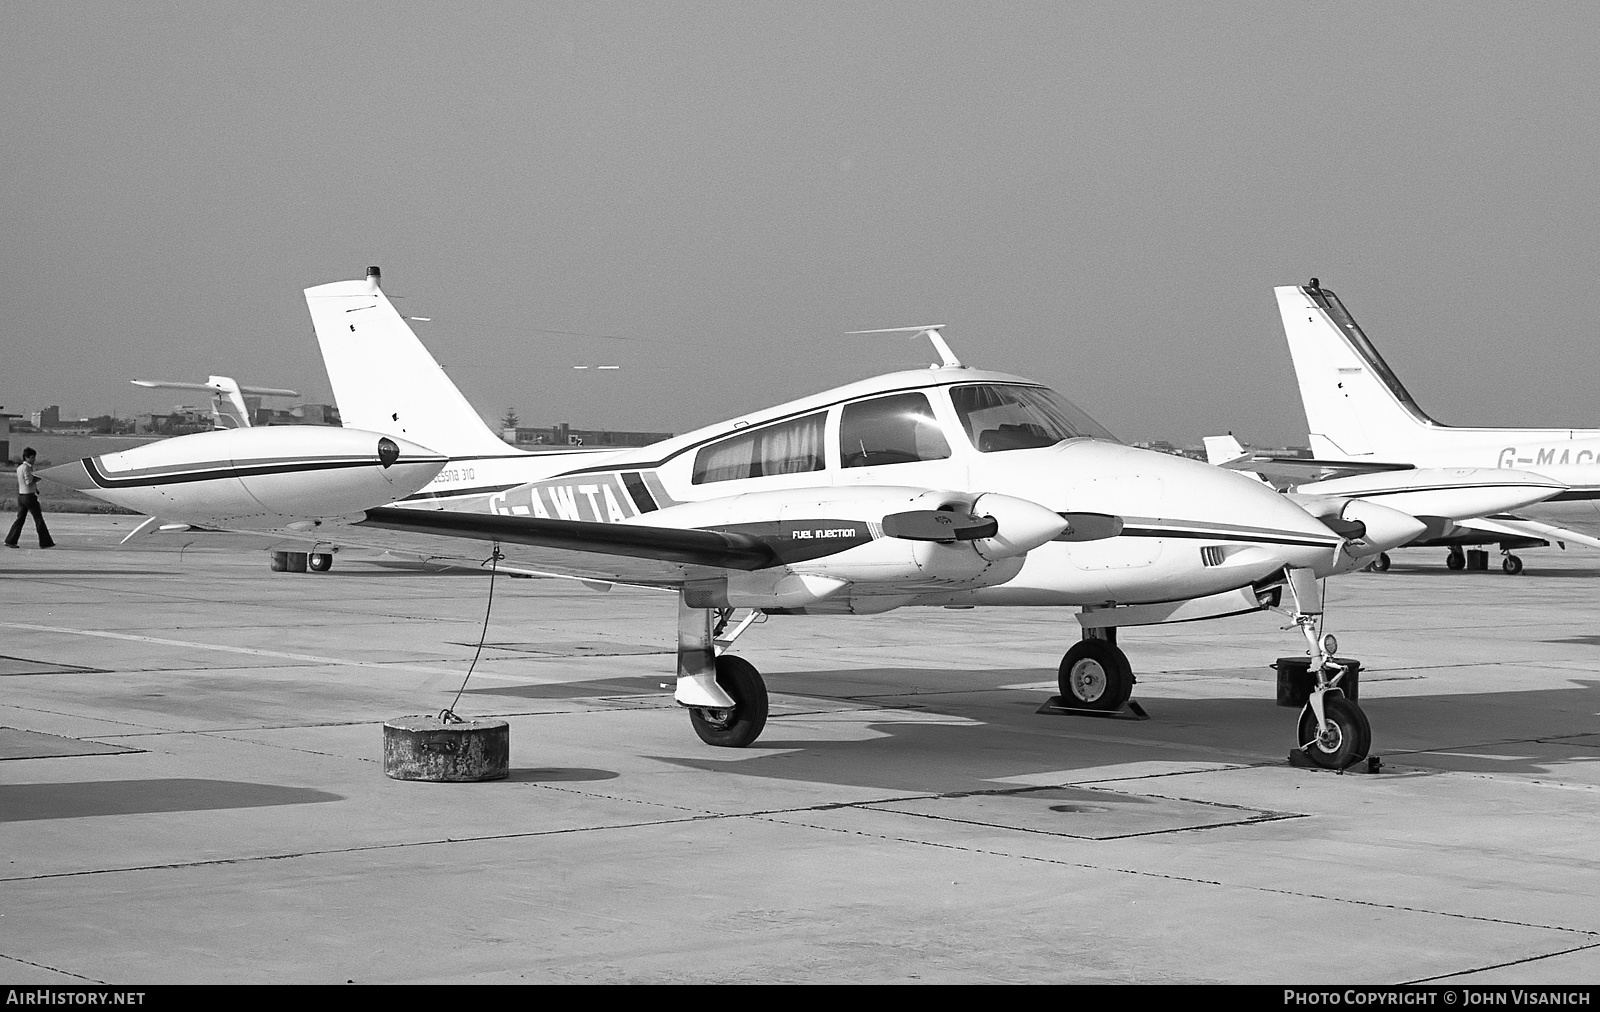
890	430
1008	417
786	448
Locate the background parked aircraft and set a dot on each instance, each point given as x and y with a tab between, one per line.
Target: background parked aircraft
228	409
1363	423
1441	498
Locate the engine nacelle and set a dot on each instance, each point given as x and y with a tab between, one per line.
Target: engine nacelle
1367	528
830	538
259	477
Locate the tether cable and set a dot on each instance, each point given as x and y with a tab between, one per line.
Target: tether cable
448	714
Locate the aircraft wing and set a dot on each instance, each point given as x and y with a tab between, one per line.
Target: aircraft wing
635	543
1298	470
1519	528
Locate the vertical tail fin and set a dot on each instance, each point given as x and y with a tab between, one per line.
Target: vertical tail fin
228	409
1355	405
384	380
1222	449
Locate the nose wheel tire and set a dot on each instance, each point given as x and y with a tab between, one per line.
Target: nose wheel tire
1380	564
741	725
319	562
1346	740
1095	675
1511	564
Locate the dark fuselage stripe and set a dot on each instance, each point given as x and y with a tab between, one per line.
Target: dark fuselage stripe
214	472
638	493
1264	539
459	492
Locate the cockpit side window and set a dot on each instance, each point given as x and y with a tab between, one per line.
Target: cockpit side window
890	430
1011	417
786	448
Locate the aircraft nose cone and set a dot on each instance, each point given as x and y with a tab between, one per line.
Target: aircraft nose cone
73	475
1383	528
1023	525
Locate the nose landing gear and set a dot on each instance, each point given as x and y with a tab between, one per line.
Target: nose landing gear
1333	731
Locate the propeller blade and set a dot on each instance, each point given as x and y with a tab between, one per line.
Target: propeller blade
1090	527
938	525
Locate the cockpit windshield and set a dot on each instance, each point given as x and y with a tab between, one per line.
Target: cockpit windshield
1013	417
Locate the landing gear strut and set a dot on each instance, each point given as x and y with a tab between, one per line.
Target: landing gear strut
1095	673
1333	731
725	696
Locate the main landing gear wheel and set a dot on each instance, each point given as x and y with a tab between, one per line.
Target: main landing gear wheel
319	562
1380	564
1455	560
1511	564
1345	742
1095	675
741	725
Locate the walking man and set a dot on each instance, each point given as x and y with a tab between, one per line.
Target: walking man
28	502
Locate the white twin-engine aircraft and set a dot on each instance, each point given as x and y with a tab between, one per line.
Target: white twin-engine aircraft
947	487
1366	427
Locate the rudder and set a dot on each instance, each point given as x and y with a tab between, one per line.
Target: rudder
384	379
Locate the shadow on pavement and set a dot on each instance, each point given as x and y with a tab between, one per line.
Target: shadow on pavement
27	802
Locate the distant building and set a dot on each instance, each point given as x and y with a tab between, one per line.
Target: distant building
565	435
180	421
315	414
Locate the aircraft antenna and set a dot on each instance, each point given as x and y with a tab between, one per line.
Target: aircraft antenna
931	331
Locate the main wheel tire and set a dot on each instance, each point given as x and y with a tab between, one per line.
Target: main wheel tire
1511	564
319	562
1095	675
1455	560
1347	740
741	725
1381	563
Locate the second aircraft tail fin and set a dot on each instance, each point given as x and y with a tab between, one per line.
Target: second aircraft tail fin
384	380
1355	405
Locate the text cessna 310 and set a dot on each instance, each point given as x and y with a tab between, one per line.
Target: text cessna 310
948	486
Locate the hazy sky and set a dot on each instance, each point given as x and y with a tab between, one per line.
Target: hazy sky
1098	196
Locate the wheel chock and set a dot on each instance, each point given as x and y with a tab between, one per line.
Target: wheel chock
1299	759
1132	711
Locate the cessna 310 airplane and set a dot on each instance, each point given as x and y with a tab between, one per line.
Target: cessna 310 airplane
947	486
